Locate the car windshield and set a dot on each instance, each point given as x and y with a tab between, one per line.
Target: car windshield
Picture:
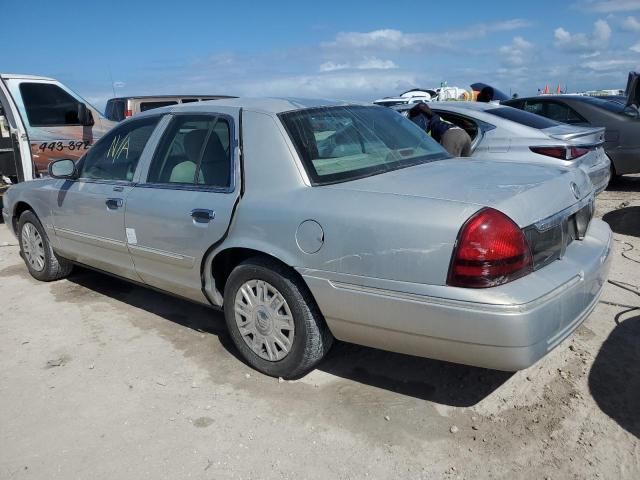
338	144
524	118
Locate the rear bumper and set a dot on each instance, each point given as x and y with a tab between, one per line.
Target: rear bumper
507	328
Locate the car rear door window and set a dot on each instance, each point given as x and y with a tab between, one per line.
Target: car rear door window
522	117
144	106
116	155
49	105
194	151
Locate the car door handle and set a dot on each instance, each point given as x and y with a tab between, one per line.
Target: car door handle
202	215
114	203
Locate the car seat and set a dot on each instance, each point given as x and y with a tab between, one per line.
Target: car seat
184	172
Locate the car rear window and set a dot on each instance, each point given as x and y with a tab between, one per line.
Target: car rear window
115	110
338	144
144	106
524	118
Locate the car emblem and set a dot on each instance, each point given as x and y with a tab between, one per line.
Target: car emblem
575	190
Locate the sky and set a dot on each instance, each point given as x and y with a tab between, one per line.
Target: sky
352	50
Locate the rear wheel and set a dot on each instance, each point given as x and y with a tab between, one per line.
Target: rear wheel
273	319
614	177
36	251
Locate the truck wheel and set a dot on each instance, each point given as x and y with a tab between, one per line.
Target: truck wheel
273	319
36	251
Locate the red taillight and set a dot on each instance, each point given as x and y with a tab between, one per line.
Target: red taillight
490	250
128	113
563	153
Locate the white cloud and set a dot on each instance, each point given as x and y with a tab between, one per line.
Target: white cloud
392	40
518	53
631	24
581	42
619	64
343	84
608	6
332	66
374	63
635	48
118	84
369	63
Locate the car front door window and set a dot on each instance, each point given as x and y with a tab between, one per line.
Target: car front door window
115	157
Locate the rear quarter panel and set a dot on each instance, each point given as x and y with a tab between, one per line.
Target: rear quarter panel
365	234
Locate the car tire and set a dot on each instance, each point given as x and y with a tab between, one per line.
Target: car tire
36	251
614	177
308	338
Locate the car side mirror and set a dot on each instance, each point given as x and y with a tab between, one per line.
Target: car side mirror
85	116
63	168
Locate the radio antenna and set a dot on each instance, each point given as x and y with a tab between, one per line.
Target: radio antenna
113	88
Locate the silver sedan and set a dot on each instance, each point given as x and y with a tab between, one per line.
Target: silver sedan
309	221
505	133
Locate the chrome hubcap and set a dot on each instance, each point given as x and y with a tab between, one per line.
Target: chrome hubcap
264	320
32	247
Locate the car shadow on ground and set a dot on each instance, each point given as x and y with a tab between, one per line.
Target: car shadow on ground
432	380
614	380
625	221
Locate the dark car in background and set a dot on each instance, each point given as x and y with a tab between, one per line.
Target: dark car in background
621	120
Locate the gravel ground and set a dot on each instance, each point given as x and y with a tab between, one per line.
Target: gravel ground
100	380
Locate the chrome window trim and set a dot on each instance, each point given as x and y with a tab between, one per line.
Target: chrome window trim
557	218
233	148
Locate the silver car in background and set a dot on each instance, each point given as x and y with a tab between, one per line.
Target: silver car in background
504	133
310	220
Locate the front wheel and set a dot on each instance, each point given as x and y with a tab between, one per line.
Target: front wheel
36	251
273	319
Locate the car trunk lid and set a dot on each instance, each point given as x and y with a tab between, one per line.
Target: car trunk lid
577	136
526	193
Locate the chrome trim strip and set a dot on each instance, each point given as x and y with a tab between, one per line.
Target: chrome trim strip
557	218
154	254
445	302
87	238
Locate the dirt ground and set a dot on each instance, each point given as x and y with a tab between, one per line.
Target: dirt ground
103	380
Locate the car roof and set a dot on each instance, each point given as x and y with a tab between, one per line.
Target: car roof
7	76
478	106
265	105
553	97
142	97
